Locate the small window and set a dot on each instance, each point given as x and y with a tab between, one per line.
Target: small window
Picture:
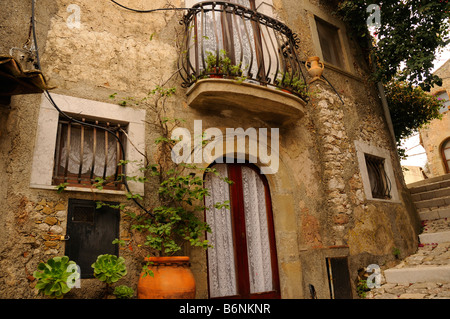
330	43
377	173
379	181
444	97
84	153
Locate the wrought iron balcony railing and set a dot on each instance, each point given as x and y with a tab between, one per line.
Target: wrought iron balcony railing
224	39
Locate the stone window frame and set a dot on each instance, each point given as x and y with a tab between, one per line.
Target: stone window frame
448	95
361	150
46	135
314	13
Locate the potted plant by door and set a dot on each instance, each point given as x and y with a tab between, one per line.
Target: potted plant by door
176	219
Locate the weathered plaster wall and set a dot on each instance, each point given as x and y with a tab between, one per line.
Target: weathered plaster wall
370	229
435	133
320	209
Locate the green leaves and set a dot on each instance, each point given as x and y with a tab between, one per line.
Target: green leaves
123	292
109	268
61	187
411	108
56	277
178	213
410	34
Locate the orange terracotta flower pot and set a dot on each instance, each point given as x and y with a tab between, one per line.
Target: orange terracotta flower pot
173	279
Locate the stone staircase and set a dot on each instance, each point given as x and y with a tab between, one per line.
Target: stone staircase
425	274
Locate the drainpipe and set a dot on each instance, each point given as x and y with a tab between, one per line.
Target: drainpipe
387	113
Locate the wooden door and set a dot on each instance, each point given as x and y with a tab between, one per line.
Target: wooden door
90	233
243	263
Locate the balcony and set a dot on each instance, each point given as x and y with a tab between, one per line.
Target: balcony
237	59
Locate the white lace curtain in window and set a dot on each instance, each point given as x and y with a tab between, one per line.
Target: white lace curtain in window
88	155
221	261
258	244
221	258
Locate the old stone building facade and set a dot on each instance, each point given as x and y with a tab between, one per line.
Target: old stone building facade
435	137
324	209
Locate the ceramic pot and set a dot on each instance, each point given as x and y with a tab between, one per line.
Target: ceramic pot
173	279
216	73
315	68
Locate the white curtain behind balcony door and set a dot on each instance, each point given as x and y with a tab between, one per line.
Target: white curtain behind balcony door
221	258
221	264
258	244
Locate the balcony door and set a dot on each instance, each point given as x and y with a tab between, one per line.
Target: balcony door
218	30
243	260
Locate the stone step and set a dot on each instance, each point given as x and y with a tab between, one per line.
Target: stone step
438	237
429	187
416	186
435	202
435	214
432	194
439	274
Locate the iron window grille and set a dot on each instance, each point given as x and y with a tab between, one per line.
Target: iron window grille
86	155
379	181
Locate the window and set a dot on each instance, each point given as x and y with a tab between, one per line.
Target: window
84	153
377	174
379	182
444	96
242	262
445	150
330	43
52	138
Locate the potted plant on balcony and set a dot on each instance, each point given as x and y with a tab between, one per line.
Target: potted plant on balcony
216	68
221	67
292	83
176	219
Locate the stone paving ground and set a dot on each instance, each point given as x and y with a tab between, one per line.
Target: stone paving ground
433	254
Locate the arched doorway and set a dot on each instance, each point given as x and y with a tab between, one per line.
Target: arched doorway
243	260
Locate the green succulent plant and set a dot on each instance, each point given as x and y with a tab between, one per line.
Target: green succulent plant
123	292
56	277
109	268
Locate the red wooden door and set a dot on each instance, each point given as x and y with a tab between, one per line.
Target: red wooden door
243	263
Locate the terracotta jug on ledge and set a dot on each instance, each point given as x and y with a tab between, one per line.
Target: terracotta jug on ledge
315	68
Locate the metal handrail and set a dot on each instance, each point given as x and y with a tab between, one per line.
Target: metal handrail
224	39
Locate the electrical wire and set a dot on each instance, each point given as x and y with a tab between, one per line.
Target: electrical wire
334	89
151	10
53	103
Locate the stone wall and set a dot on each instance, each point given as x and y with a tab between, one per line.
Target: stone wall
434	134
320	209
